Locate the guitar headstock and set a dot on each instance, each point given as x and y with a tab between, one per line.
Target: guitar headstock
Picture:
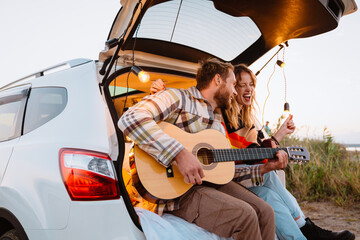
298	154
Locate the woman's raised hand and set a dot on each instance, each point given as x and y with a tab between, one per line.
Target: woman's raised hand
157	86
286	128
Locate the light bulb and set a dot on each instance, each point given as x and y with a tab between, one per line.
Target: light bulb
286	107
143	76
280	63
286	112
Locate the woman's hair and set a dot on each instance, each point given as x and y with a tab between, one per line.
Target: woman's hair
236	110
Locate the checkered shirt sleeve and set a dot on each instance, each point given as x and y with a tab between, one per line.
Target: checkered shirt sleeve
248	176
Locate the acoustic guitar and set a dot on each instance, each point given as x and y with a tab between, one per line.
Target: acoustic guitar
212	149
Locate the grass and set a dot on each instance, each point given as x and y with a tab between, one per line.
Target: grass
331	174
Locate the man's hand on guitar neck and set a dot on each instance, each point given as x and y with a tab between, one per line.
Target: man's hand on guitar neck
275	164
190	167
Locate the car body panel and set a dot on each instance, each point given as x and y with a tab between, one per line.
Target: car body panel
93	221
32	188
6	149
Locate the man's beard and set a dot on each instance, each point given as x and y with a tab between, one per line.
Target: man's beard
222	97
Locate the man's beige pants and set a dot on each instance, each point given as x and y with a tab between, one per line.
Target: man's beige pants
228	210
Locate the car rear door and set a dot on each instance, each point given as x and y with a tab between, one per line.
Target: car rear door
12	105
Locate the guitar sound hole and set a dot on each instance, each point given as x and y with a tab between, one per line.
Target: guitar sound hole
205	156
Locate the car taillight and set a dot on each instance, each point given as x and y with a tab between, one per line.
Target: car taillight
88	175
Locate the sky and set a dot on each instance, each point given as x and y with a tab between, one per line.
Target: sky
322	72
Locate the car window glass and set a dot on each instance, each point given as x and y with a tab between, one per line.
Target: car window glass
43	105
9	113
115	91
198	24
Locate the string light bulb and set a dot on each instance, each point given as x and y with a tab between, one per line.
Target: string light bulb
286	112
141	74
286	107
280	63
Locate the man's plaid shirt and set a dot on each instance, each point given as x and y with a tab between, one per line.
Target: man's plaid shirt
186	109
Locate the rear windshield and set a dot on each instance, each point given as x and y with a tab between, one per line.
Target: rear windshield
199	25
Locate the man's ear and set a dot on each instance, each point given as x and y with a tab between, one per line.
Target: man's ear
217	79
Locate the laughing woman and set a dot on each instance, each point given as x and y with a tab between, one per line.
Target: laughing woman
239	123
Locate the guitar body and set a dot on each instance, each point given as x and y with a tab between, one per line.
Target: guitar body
154	177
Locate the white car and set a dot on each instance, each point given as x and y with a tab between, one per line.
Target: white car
61	153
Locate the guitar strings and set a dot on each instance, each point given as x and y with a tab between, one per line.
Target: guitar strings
226	155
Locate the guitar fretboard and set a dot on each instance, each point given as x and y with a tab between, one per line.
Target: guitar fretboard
246	154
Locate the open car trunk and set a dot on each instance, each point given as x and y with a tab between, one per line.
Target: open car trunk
168	38
238	31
